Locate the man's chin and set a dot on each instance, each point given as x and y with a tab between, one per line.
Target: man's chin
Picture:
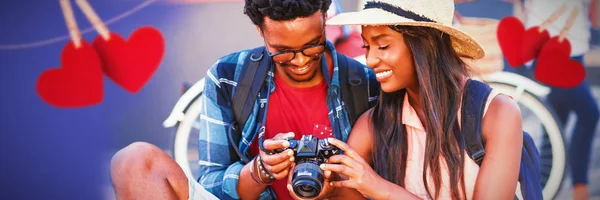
302	78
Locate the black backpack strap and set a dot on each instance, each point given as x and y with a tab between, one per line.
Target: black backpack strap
254	73
473	104
353	85
253	76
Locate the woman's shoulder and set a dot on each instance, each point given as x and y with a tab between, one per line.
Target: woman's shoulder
503	111
363	123
502	105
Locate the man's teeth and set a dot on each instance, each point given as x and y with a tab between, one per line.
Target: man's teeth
302	69
384	73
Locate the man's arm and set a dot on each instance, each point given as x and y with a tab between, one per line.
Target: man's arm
220	168
223	174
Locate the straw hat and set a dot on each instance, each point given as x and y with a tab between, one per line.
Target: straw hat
429	13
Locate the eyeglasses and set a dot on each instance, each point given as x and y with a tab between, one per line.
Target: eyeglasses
289	55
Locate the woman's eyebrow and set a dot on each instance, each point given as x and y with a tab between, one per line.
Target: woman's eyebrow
375	37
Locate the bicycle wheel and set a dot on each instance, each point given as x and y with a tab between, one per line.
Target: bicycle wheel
185	147
542	124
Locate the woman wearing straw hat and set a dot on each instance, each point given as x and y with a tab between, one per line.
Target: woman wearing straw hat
406	147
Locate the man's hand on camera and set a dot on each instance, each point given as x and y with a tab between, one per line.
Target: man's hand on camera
278	164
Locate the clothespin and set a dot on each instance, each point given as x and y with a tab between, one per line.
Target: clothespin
552	18
74	32
94	19
564	32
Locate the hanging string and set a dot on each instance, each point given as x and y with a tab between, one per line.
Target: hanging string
84	31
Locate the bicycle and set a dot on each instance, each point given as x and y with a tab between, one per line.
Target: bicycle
185	116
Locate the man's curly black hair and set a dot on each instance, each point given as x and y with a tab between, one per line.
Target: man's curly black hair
281	10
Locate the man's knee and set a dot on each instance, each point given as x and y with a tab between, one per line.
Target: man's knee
137	157
143	167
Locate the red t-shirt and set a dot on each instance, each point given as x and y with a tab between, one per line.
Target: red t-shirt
299	110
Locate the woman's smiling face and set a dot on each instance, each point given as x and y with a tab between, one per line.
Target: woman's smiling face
390	57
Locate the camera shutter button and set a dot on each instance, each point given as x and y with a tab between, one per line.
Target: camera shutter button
293	144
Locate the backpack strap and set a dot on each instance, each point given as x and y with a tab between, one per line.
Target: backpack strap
253	76
254	73
353	85
474	98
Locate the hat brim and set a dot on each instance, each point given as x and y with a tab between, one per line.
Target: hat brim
464	44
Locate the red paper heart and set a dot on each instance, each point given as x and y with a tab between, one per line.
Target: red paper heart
78	83
131	63
520	46
533	41
510	37
555	68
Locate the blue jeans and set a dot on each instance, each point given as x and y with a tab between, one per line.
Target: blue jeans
579	100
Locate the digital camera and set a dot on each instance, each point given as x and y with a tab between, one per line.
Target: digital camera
309	153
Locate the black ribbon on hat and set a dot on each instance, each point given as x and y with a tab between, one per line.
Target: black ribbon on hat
397	10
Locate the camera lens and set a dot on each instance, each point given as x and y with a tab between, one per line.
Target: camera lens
307	180
306	189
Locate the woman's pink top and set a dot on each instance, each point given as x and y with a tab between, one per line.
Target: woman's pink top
416	154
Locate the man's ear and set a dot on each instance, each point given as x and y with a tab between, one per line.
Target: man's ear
259	31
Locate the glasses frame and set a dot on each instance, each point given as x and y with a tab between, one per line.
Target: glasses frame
271	55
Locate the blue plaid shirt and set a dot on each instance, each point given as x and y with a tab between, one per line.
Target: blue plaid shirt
219	166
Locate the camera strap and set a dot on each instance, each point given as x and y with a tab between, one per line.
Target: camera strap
261	130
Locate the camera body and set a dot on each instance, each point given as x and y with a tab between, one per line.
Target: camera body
310	149
309	153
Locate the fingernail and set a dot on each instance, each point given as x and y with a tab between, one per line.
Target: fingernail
286	144
322	166
290	153
292	159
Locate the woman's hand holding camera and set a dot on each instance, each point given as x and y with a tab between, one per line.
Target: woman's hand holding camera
360	174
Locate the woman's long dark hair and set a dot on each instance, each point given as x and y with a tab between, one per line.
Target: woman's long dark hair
439	73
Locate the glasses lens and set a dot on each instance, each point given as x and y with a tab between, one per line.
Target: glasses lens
314	51
284	57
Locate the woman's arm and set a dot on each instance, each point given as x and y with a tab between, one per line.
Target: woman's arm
502	130
361	140
361	137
